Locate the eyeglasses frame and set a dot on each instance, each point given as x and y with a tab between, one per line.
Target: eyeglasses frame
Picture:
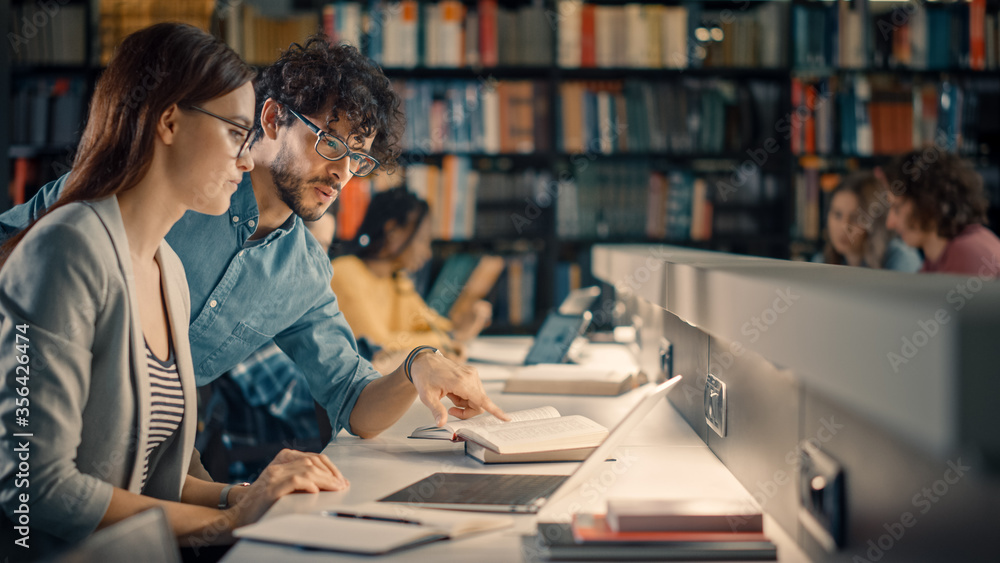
319	137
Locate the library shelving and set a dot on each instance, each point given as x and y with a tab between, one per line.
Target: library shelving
537	128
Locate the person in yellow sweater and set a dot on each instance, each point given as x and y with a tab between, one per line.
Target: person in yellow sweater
375	292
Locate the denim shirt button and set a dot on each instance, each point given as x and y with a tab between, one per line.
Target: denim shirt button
213	303
236	219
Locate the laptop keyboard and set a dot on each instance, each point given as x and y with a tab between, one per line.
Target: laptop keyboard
479	488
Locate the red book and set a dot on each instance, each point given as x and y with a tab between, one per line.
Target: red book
810	121
977	39
588	49
796	123
22	174
594	528
330	23
354	198
488	53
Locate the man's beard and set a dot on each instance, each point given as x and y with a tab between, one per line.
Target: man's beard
292	190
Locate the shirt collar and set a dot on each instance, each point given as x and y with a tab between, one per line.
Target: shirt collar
244	214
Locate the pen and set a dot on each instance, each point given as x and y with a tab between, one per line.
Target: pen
335	514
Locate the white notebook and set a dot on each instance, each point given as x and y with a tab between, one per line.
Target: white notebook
370	529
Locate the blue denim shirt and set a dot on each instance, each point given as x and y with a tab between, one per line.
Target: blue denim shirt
244	293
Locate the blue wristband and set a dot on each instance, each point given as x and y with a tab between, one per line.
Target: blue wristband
408	364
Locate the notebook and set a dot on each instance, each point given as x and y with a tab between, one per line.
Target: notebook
496	492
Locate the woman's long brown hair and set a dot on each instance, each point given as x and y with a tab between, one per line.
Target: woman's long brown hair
152	69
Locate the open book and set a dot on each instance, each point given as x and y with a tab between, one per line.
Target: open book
541	432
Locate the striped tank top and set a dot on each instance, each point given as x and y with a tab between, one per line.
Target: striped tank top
167	403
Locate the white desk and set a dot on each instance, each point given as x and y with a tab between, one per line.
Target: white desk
662	457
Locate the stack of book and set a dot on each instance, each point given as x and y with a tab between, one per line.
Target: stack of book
660	530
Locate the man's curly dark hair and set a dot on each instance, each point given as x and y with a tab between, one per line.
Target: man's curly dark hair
946	191
314	77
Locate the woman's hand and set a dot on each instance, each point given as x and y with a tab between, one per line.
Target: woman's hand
290	472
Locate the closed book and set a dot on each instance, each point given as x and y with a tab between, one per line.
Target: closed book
555	542
682	515
594	528
570	24
570	379
484	454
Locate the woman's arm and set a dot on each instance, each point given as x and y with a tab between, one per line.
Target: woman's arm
197	520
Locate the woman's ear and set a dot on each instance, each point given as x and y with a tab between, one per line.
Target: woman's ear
269	118
166	125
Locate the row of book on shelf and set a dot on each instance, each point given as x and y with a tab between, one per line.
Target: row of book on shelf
121	18
706	115
47	110
599	200
637	201
52	34
658	36
454	34
918	35
882	115
709	115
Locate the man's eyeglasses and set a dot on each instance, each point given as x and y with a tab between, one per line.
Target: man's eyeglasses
243	137
332	147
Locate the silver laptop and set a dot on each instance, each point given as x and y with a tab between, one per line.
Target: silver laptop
496	492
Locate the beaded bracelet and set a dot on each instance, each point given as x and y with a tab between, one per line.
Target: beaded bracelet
408	364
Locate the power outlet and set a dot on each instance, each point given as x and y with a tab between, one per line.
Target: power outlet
716	405
821	497
666	360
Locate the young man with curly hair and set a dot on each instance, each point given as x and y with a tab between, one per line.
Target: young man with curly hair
325	113
936	204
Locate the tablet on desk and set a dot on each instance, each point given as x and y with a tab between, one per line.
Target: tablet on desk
496	492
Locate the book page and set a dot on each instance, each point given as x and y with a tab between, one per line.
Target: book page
485	420
447	431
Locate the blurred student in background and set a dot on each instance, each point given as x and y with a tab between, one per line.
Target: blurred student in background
937	205
856	234
377	296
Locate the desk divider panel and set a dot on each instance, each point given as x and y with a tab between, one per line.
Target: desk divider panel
910	494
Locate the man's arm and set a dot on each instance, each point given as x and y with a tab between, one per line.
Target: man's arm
356	396
17	218
435	377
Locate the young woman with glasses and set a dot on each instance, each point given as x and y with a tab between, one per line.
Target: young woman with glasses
94	310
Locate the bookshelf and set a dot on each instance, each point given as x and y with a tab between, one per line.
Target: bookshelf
539	128
925	80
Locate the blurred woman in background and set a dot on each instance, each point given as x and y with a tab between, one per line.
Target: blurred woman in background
856	233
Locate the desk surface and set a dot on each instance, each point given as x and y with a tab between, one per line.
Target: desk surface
662	457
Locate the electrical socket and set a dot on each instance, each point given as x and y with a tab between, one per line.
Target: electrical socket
822	510
716	405
666	360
